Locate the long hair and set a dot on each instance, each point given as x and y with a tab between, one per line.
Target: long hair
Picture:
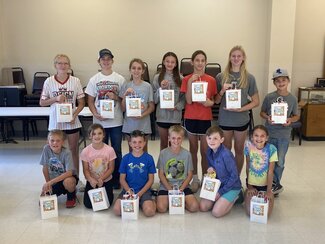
139	61
176	76
243	71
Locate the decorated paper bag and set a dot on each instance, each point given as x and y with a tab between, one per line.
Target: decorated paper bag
199	91
259	208
210	187
167	99
233	98
133	106
279	112
130	206
99	199
64	112
107	108
176	201
49	206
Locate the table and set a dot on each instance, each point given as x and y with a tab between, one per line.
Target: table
25	113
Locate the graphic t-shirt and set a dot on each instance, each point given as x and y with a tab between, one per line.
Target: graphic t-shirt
98	160
57	164
137	170
259	160
175	166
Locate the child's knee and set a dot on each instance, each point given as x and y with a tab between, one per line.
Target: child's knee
149	211
193	206
70	184
162	208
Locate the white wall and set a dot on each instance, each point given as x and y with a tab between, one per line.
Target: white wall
39	29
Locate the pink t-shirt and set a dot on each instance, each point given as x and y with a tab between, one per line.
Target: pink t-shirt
98	160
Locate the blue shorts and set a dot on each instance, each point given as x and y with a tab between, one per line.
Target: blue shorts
231	195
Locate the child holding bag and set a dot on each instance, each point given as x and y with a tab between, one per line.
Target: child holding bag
260	159
222	163
98	164
137	175
175	168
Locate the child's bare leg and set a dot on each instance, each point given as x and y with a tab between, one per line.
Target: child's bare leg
70	184
271	204
247	203
205	205
163	134
162	204
149	208
191	203
117	207
203	150
221	207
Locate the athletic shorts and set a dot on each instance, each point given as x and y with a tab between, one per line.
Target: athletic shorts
197	127
59	189
165	125
240	128
69	132
145	197
231	195
187	191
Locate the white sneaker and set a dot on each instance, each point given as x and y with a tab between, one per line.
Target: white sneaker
81	186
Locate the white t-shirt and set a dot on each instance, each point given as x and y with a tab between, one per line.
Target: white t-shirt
72	90
97	87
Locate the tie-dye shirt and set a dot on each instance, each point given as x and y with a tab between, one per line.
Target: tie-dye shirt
259	160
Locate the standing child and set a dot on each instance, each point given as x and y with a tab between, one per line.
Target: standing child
107	84
280	133
222	162
169	78
235	122
137	174
198	115
260	159
98	164
58	168
175	168
64	88
138	88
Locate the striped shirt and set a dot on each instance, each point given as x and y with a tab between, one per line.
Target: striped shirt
72	90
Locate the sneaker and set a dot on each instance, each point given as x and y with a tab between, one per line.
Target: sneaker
240	199
277	189
81	187
195	185
71	203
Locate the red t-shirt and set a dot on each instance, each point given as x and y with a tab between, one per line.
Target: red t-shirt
196	110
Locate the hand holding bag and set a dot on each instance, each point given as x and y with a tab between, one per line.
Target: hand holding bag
130	206
99	199
176	199
210	187
259	208
49	206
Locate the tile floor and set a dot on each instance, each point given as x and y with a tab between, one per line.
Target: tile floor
298	216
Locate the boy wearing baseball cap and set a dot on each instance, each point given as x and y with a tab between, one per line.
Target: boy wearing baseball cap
279	134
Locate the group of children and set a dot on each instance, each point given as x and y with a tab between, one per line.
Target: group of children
104	166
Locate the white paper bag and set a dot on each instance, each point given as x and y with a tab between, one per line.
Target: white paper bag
133	106
99	199
233	98
209	188
130	207
176	201
199	91
64	112
279	112
167	99
259	208
49	206
107	108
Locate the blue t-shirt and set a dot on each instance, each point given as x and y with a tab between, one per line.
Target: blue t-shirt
137	170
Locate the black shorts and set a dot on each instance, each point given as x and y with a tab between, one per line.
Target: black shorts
69	132
59	189
240	128
197	127
166	125
187	191
260	188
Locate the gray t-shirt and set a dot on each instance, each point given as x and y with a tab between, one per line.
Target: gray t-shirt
167	115
236	119
175	166
144	91
278	130
57	164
